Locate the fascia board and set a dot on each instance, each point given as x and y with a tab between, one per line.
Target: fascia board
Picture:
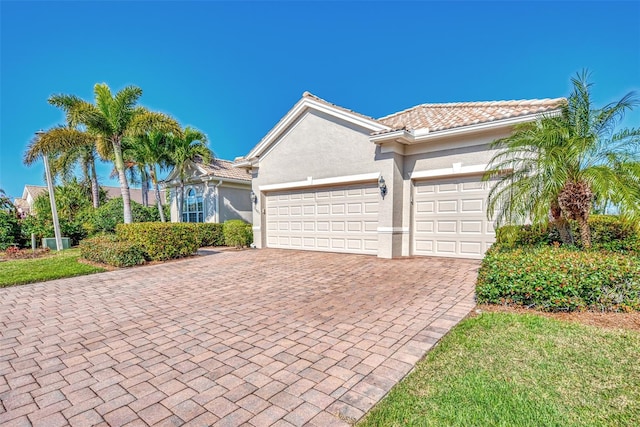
298	109
454	170
310	182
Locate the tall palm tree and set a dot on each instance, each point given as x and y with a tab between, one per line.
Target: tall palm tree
184	148
67	146
556	167
112	118
151	151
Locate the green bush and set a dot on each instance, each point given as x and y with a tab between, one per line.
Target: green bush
106	217
9	229
559	279
608	232
160	241
208	234
107	249
237	233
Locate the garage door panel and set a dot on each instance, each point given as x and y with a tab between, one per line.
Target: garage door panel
471	227
456	226
340	219
447	206
473	205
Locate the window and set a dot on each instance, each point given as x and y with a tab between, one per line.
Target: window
193	208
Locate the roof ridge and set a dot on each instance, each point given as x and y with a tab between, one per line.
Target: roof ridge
475	104
307	94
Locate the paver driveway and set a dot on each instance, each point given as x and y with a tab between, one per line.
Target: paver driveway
266	337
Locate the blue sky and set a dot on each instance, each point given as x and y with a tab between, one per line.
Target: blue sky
233	69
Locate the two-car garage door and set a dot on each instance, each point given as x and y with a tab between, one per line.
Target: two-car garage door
334	219
449	218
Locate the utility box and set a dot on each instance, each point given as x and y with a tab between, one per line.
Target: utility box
50	242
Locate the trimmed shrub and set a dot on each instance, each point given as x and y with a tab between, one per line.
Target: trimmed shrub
160	241
608	232
237	233
107	249
559	279
209	233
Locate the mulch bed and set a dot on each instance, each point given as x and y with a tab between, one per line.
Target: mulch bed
630	321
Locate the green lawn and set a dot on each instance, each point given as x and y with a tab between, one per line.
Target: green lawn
520	370
54	266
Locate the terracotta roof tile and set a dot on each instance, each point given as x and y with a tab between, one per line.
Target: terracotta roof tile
312	96
435	117
224	169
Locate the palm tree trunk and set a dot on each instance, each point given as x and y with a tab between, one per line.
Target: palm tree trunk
585	232
95	189
124	185
181	201
145	186
154	180
561	224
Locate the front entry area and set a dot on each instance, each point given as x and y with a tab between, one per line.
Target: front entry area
333	219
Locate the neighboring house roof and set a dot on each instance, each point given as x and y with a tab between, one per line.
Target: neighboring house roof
224	169
435	117
33	190
112	193
217	168
425	118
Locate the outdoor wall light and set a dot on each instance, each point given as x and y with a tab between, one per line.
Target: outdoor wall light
254	198
383	186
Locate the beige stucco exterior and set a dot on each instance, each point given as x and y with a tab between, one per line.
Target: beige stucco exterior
317	147
223	198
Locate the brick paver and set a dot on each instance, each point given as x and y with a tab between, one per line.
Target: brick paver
265	337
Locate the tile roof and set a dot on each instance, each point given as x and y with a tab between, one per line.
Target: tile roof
224	169
112	193
35	190
316	98
436	117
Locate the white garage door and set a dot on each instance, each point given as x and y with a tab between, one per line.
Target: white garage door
333	219
449	218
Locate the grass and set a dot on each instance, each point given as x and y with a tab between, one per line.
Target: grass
54	266
502	369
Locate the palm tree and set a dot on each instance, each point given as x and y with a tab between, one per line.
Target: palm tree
67	146
184	148
112	118
556	167
149	151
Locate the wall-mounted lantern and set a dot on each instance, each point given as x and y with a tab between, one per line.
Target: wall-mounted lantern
382	186
254	198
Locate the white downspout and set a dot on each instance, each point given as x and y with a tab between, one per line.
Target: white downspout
217	215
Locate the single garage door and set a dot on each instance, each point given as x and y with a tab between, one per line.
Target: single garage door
449	218
332	219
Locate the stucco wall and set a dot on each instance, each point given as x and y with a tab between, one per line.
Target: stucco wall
474	151
318	146
235	203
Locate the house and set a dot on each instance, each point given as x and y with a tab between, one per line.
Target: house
214	192
24	204
326	178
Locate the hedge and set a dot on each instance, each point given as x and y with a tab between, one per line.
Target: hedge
208	233
160	241
608	232
237	233
559	279
107	249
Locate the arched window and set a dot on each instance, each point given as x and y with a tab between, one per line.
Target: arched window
193	208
